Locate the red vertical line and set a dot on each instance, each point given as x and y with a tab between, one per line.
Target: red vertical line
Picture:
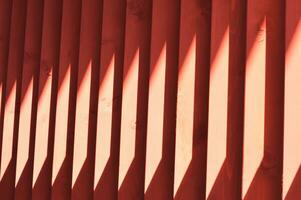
117	96
272	165
85	122
45	93
12	102
5	24
109	102
235	115
142	98
192	100
66	100
160	148
134	100
201	99
170	100
32	55
93	107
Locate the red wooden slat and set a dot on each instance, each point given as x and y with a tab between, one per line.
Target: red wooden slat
134	100
31	61
109	100
12	99
5	23
235	123
85	134
192	100
266	180
160	144
66	99
47	84
218	98
254	93
292	116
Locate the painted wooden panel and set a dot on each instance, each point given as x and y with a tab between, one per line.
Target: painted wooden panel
150	99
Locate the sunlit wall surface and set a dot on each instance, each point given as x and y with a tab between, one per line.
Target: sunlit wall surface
150	99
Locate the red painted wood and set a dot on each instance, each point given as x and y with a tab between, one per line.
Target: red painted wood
86	106
109	100
160	140
66	100
141	99
5	24
292	159
192	100
134	100
31	62
12	99
46	95
267	181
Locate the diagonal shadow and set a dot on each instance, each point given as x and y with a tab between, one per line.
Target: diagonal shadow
113	29
69	53
5	12
30	66
227	184
267	182
193	183
291	185
50	52
166	17
294	191
14	66
90	39
138	37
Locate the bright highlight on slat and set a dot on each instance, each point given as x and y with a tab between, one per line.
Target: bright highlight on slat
24	131
8	128
185	114
292	116
218	101
155	117
81	124
104	122
128	118
61	124
254	108
42	127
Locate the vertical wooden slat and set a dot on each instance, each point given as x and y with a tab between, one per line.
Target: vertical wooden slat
12	101
265	180
192	100
274	101
66	99
218	99
236	85
32	55
109	100
47	85
85	134
134	100
292	115
162	100
5	24
254	93
225	133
